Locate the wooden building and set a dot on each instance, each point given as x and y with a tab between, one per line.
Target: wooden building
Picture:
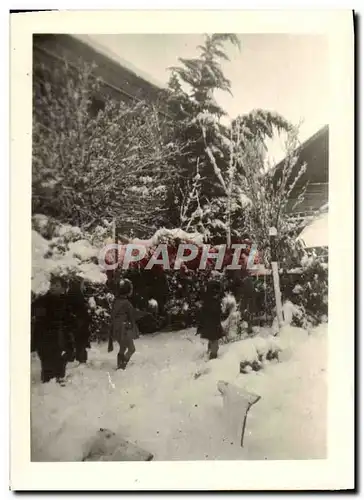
315	154
119	81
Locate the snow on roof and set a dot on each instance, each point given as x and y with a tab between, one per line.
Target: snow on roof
316	234
102	49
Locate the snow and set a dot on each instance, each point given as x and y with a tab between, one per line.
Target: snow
67	258
163	234
68	231
40	245
83	250
92	303
290	311
167	400
40	273
245	201
153	304
297	289
316	234
91	272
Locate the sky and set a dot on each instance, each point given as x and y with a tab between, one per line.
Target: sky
285	73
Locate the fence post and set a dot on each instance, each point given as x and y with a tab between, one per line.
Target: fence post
114	237
274	262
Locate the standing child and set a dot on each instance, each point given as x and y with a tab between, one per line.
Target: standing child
51	335
79	320
123	326
248	300
209	326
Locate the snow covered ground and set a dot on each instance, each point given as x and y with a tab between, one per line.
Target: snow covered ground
167	400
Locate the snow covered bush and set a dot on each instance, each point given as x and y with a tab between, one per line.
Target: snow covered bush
70	254
85	161
99	306
312	295
304	293
252	354
67	253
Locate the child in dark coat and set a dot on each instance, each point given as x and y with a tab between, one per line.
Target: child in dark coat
241	284
79	320
209	324
123	326
51	336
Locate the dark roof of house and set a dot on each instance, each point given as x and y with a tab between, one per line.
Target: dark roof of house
314	152
124	80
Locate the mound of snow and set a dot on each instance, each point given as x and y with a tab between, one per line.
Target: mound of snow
290	311
288	340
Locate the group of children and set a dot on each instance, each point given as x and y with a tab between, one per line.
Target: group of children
62	334
60	328
124	327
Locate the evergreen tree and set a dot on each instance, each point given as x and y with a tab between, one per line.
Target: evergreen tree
213	151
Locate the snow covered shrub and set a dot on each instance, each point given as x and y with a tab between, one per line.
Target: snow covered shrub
256	352
313	294
85	163
305	292
67	253
99	306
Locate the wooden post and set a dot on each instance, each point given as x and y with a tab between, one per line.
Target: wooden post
274	262
114	237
